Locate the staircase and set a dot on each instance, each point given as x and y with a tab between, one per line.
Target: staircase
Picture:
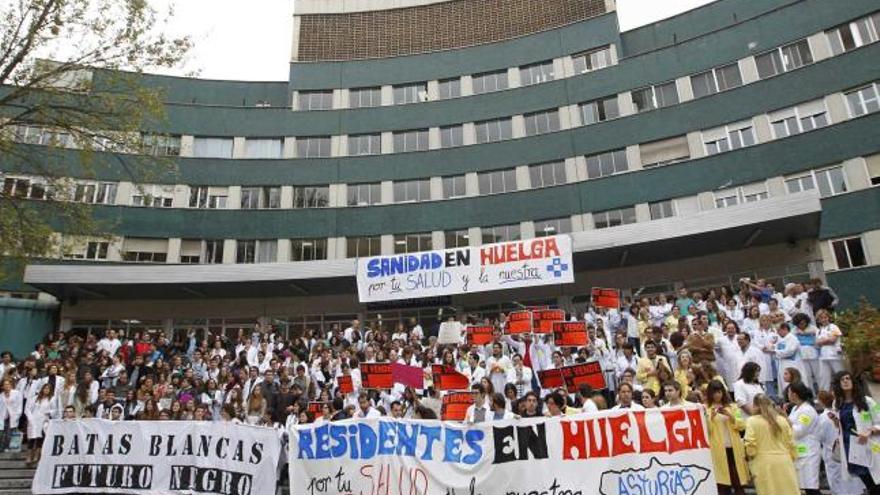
15	477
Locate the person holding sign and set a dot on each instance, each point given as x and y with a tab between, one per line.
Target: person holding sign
803	419
474	371
480	410
787	352
770	450
520	376
805	332
858	419
498	365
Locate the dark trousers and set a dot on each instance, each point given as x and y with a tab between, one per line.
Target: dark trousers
873	488
735	486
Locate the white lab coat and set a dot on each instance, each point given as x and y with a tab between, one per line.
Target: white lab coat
865	421
787	356
63	398
11	408
38	414
804	421
839	484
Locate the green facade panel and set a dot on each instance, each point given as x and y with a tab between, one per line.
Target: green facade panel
851	214
852	286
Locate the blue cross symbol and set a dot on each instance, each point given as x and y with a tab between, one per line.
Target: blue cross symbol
557	267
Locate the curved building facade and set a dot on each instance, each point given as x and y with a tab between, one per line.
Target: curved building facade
738	139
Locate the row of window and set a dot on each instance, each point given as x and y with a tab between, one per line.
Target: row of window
784	123
486	82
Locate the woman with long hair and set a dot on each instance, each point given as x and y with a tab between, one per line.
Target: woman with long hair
38	412
684	373
828	340
65	396
747	387
150	411
804	420
838	483
770	449
728	453
858	421
256	406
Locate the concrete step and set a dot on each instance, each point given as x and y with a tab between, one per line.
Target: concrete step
15	491
17	483
17	473
12	464
12	456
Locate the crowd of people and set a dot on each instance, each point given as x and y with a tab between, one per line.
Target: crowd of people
754	356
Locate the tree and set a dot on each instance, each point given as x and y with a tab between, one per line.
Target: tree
71	76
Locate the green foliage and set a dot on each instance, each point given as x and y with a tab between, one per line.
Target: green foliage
861	338
73	67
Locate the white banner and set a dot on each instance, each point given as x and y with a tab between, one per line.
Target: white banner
505	265
157	457
658	451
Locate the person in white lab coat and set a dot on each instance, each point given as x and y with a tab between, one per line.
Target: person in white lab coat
11	405
828	340
804	420
787	353
858	422
838	483
38	412
809	355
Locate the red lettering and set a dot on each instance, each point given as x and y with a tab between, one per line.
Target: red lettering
486	256
551	248
676	437
620	441
698	431
576	440
646	444
597	450
510	253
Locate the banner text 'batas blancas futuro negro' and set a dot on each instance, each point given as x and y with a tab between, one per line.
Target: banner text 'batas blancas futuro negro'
100	456
504	265
652	452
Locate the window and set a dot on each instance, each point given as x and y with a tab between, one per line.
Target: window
100	193
500	181
24	188
746	194
592	60
786	126
662	209
315	100
311	196
490	81
849	253
831	181
161	145
364	144
613	218
155	201
854	34
659	96
536	73
500	233
451	136
449	88
213	252
605	164
364	194
803	118
665	152
313	147
547	174
207	147
412	190
599	110
207	197
95	250
729	137
457	238
716	80
412	243
143	250
784	59
553	226
494	130
415	140
308	249
144	257
258	251
189	259
358	247
541	122
262	148
864	100
454	186
410	93
365	97
874	169
260	197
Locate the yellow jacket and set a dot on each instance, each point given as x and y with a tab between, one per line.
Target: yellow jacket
646	366
735	425
771	458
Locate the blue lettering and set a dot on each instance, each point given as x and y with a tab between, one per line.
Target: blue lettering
406	440
663	483
452	446
394	265
387	433
473	438
373	269
436	261
367	440
322	442
431	434
337	433
352	431
305	445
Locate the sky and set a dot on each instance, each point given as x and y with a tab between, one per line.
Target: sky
250	39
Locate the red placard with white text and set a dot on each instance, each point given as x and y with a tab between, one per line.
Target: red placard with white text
519	322
447	378
316	408
588	373
376	376
455	406
606	298
551	378
570	334
543	320
345	383
479	334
